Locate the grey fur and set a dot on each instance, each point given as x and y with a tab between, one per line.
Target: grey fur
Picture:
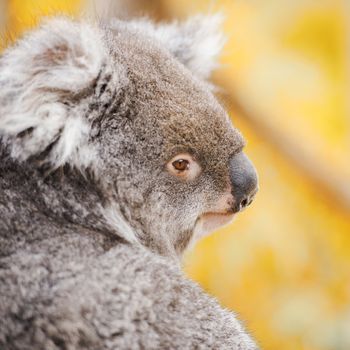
92	226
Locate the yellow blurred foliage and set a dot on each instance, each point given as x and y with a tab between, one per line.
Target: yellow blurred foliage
25	14
283	265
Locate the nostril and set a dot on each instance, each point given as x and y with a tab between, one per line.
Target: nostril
244	181
244	203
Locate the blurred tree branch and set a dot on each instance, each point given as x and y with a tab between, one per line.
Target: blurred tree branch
332	184
123	8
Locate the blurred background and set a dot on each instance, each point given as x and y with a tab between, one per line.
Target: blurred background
284	264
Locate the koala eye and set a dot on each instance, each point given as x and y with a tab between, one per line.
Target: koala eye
181	164
184	166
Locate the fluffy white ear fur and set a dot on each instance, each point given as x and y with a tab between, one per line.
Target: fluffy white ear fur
62	58
196	42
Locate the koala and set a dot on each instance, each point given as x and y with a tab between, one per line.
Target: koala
115	156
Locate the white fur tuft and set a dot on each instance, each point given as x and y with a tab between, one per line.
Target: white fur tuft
197	42
118	223
38	76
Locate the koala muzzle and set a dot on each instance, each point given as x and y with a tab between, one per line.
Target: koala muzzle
244	181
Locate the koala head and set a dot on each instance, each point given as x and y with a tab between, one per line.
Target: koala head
129	103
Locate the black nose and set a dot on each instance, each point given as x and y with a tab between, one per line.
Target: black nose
244	181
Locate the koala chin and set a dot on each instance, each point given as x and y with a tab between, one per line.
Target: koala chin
115	156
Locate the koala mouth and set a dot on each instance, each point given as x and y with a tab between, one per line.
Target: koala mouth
209	222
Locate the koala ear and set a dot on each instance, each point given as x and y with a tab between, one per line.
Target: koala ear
196	42
43	78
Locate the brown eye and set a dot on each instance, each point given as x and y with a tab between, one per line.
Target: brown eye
181	164
184	166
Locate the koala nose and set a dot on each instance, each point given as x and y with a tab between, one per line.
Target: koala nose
244	181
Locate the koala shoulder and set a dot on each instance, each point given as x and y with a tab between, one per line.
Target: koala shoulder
160	307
